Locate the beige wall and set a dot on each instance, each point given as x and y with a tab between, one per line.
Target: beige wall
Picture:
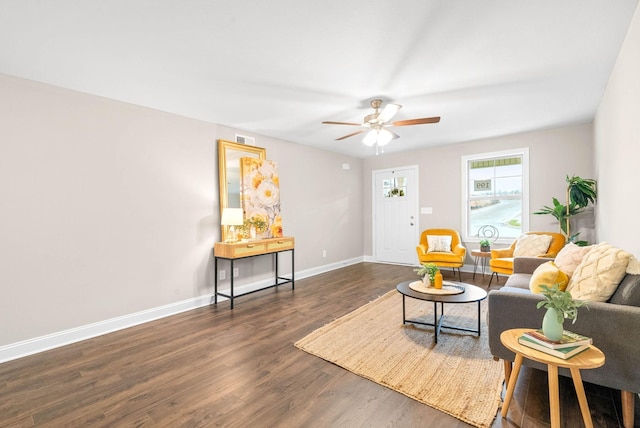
109	209
553	154
617	148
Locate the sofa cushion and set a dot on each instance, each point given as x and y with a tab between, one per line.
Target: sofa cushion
518	280
547	274
439	243
598	275
516	289
570	257
532	245
628	292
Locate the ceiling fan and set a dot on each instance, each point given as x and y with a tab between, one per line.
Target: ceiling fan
377	123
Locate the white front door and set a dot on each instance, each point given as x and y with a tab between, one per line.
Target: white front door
395	225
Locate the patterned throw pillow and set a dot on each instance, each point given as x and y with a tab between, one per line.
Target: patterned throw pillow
547	274
598	275
570	257
532	245
439	244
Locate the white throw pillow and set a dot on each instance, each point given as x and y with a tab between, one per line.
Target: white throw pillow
570	257
532	245
597	277
439	243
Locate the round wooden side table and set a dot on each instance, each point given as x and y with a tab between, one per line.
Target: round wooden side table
588	359
480	257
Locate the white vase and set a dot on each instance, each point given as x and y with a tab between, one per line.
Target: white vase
426	281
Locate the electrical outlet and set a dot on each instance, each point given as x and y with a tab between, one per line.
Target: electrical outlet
324	253
236	272
222	275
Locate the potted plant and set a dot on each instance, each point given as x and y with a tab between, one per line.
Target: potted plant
427	271
253	226
485	245
560	306
580	192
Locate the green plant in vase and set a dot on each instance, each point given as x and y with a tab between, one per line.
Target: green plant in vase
428	270
560	306
580	193
253	226
485	245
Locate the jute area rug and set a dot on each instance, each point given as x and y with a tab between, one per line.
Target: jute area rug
457	376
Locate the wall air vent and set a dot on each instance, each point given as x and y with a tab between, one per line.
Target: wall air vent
241	139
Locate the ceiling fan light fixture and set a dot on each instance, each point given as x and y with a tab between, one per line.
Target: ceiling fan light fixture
370	138
384	137
375	124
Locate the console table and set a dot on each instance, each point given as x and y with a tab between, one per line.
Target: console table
233	251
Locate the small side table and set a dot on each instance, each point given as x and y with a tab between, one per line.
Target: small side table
480	257
588	359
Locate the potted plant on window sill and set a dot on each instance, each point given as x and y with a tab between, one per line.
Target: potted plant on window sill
560	306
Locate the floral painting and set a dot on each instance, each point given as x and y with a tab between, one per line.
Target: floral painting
261	195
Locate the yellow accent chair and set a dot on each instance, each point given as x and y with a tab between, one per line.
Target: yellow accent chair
446	251
502	259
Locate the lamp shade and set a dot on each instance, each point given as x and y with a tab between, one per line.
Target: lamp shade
384	136
370	138
232	217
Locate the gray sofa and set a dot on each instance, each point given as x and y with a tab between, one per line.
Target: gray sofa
614	327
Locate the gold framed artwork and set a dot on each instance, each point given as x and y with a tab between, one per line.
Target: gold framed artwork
260	190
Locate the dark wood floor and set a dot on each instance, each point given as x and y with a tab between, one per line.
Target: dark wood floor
217	367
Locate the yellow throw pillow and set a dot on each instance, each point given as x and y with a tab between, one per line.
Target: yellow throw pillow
547	274
597	277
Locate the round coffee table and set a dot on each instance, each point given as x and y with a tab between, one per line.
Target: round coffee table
471	294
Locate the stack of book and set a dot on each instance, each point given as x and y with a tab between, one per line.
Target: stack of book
569	345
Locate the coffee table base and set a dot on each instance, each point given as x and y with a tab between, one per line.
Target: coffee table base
437	321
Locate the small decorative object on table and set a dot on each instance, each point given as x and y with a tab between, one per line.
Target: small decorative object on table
570	343
559	305
485	245
568	339
253	226
438	280
428	273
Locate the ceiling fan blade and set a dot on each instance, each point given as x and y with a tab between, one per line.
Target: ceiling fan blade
351	135
328	122
388	112
421	121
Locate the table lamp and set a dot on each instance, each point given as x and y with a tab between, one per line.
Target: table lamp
232	217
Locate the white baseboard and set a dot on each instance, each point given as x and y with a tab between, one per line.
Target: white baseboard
24	348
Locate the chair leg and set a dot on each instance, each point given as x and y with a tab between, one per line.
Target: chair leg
491	279
459	275
627	409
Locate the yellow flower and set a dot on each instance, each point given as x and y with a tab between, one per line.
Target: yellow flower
276	227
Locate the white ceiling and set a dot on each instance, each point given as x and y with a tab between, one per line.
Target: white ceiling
280	67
